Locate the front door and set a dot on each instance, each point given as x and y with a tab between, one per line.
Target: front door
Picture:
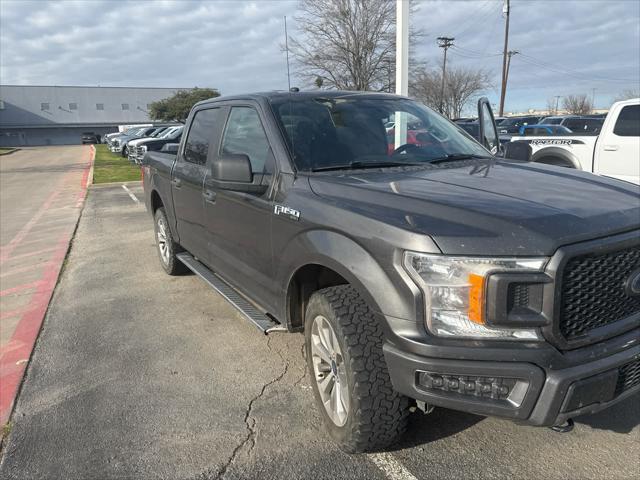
617	151
188	178
239	223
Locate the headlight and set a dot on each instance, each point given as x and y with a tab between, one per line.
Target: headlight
143	149
455	289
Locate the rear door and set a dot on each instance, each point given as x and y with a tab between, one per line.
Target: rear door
617	151
239	222
187	180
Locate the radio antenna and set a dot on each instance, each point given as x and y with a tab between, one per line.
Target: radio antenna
286	46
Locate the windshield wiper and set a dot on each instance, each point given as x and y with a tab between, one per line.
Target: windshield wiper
356	165
452	157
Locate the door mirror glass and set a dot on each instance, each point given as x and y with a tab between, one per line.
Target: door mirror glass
488	130
170	148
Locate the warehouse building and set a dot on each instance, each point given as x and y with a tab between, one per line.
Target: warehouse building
59	115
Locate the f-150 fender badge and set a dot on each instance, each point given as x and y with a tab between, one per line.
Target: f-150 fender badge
287	212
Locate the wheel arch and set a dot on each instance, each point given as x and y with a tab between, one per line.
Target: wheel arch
565	157
335	259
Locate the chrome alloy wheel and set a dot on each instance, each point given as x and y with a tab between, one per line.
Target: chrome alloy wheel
329	370
161	235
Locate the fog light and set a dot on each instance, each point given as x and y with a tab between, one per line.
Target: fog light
511	390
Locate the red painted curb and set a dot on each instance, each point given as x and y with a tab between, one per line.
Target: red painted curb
14	356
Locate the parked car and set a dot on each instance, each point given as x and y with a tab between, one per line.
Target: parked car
119	144
614	152
90	137
511	125
575	123
434	275
538	130
555	119
142	146
472	128
584	124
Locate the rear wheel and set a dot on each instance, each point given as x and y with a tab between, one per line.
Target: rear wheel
167	248
350	380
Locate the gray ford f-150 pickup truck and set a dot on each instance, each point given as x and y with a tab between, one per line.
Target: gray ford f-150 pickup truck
423	270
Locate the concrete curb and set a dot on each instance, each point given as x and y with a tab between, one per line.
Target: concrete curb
9	152
115	184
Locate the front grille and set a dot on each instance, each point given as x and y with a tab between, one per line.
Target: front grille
628	377
593	291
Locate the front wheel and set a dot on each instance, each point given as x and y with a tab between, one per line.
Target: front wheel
350	380
167	247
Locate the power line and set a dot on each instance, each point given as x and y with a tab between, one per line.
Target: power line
573	73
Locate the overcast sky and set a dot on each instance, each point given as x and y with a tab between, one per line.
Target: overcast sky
568	46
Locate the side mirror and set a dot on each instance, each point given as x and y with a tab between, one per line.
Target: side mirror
233	168
233	172
518	151
488	132
170	148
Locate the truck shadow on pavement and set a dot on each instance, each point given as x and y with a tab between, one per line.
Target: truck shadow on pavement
439	424
443	423
620	418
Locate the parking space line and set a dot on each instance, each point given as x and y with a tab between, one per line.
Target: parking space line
26	268
33	253
19	288
391	467
131	194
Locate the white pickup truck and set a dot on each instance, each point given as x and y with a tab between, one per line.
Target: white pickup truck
614	152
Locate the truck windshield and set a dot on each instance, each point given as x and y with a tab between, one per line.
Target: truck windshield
358	130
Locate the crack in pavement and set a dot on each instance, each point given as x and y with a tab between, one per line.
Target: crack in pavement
249	421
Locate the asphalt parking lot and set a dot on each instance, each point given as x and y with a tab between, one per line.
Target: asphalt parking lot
139	375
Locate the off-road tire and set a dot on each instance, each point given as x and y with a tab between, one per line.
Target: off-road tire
171	265
378	415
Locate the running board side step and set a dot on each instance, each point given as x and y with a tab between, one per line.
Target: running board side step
264	323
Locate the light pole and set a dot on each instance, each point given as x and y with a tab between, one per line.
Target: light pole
402	67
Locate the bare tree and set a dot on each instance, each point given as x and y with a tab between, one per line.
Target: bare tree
627	94
461	86
551	106
346	44
577	104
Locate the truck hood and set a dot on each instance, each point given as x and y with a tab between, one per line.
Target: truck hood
488	207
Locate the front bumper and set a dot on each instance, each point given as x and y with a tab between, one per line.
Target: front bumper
527	392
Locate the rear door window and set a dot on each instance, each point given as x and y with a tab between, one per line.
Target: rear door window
628	123
200	134
244	135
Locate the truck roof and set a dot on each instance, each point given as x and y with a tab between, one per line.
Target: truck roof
280	94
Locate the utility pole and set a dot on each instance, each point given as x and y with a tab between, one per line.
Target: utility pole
593	99
510	54
506	10
557	100
444	43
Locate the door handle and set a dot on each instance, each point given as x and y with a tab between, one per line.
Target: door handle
209	196
176	182
610	148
